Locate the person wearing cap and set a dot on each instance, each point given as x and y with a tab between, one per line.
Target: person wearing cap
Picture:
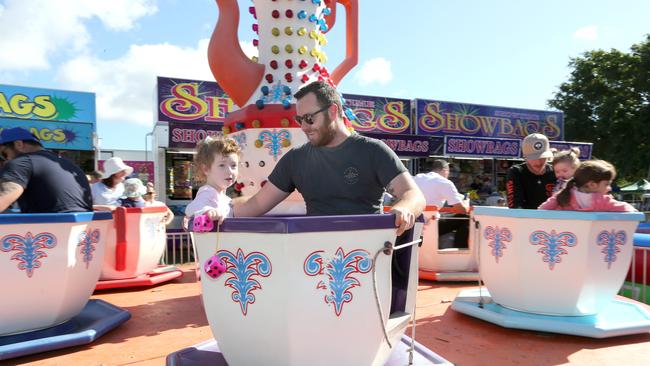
133	192
108	191
531	183
38	179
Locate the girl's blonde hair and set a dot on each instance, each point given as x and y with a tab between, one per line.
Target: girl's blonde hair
207	149
588	171
567	156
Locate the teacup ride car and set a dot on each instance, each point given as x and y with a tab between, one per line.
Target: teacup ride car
49	265
440	259
554	271
307	290
134	247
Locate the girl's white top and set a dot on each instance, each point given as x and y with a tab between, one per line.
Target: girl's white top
102	195
208	198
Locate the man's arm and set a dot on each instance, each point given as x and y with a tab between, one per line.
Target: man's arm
9	193
410	202
260	203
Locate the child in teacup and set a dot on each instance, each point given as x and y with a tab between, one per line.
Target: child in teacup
588	190
216	164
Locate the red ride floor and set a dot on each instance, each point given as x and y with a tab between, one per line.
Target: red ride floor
170	317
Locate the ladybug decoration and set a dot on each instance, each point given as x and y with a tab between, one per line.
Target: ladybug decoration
214	267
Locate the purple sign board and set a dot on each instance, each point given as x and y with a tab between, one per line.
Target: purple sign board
186	135
585	148
405	145
182	100
481	147
471	120
380	114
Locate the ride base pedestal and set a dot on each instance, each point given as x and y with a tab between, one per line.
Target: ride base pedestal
208	353
620	317
158	275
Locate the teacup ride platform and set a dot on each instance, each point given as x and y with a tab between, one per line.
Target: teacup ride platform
316	290
134	248
554	271
50	264
439	258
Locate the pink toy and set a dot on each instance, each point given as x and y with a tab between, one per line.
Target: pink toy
202	224
214	267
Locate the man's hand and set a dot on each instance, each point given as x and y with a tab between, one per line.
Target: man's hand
404	219
9	193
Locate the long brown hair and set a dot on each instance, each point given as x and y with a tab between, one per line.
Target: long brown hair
588	171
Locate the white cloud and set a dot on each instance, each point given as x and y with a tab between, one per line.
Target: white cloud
376	70
588	33
34	30
125	86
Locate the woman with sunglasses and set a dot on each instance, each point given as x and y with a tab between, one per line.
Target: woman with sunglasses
338	172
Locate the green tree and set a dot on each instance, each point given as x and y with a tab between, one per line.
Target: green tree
607	101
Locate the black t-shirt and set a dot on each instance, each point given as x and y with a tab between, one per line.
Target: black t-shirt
527	190
347	179
51	183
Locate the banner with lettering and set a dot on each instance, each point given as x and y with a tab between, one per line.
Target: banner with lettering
585	147
405	145
56	135
472	120
380	114
481	147
183	100
186	135
37	104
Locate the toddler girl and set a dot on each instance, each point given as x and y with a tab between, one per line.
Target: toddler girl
216	163
564	164
588	190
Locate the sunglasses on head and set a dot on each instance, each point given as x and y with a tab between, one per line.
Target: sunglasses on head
308	118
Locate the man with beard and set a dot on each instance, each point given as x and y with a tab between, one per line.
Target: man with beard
531	183
338	172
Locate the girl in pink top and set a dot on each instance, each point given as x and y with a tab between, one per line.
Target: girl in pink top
588	190
217	164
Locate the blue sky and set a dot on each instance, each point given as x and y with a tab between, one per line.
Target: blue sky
497	52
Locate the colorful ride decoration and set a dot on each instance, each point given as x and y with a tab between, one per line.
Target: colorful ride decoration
291	35
300	289
136	243
553	262
49	264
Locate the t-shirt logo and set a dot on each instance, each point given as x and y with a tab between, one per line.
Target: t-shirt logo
351	175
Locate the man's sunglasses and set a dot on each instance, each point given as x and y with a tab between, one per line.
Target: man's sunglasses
308	118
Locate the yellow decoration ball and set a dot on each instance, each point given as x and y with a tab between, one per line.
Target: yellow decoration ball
313	34
288	48
257	123
302	50
302	31
275	32
258	143
284	122
285	143
288	31
275	49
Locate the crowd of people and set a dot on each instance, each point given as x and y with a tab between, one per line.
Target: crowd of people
337	172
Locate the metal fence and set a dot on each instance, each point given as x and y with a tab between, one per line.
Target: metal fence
180	249
636	284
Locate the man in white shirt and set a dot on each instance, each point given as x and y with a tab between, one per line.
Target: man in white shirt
437	190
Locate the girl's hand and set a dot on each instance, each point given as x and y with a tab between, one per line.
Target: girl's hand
215	215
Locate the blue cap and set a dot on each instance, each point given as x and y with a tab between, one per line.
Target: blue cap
16	134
